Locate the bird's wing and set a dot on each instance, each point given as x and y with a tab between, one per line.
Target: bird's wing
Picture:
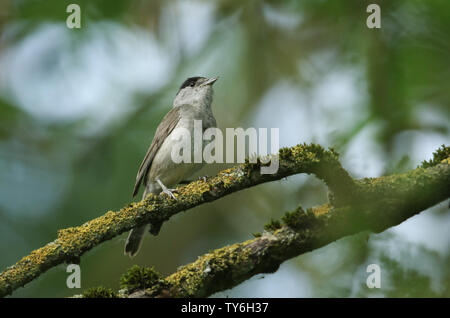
166	126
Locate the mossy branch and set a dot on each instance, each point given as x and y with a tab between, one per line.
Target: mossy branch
72	242
383	202
396	194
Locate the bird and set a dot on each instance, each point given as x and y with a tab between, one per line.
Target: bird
158	172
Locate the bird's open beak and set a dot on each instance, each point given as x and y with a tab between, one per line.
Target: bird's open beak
211	81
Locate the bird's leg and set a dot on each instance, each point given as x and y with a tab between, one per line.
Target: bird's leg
165	190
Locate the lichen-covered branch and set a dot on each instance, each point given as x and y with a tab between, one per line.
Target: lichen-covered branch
382	203
354	205
72	242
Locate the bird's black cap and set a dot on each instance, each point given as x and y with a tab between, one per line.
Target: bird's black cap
190	81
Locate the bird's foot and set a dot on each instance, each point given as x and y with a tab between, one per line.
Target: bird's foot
167	191
170	192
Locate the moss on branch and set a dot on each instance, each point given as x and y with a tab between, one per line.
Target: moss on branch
440	155
302	231
235	263
72	242
99	292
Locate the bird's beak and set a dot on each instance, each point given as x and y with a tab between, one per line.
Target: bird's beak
211	81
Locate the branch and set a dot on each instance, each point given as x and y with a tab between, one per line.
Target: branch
383	202
73	242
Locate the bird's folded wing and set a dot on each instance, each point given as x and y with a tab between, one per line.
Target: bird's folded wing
164	129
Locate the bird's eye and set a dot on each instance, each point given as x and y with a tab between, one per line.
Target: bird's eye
192	84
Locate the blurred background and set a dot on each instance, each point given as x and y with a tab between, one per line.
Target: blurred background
78	109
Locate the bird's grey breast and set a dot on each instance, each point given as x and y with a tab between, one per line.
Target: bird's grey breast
163	166
190	113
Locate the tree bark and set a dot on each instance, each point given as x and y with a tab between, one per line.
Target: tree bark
355	205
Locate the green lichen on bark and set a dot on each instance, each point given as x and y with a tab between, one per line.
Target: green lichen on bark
228	266
357	201
299	218
272	226
398	197
99	292
138	277
73	242
441	154
195	279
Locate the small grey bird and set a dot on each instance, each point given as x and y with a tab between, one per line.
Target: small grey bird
158	172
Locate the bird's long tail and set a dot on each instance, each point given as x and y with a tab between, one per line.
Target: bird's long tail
134	241
135	237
